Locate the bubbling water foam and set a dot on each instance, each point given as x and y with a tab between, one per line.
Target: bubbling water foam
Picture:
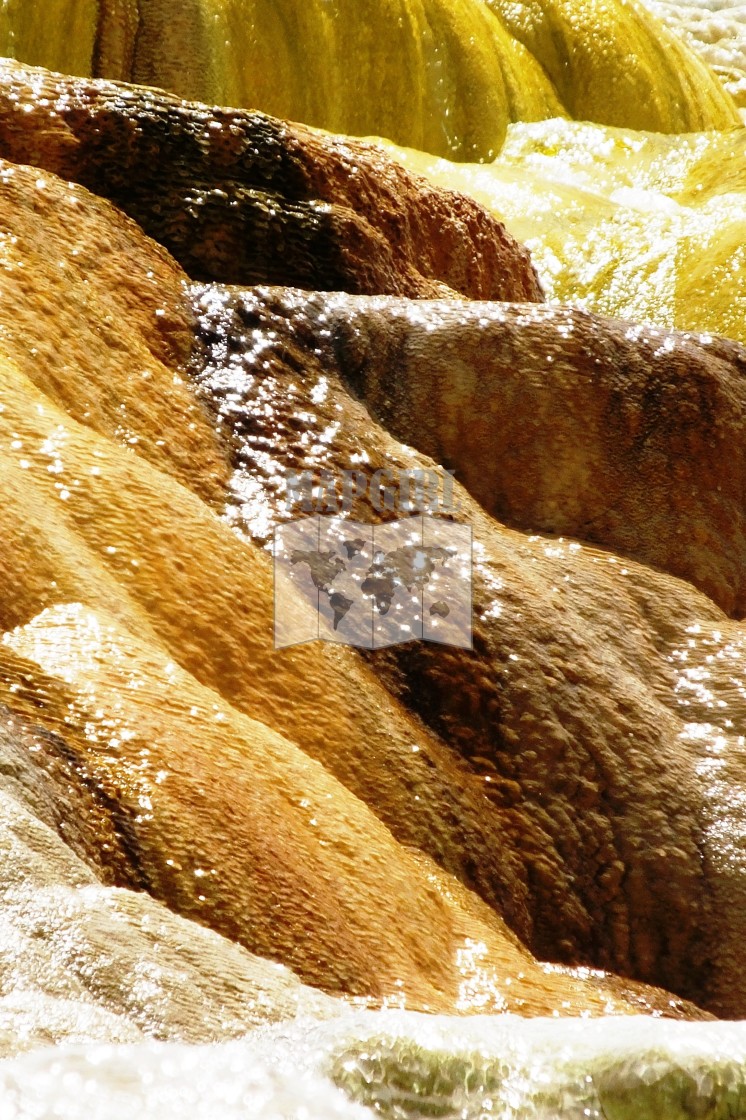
399	1065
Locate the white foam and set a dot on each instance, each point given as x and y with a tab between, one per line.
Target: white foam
716	30
403	1065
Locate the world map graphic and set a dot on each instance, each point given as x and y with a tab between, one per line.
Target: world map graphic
377	585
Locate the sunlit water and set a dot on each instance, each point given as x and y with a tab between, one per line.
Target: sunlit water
716	29
398	1065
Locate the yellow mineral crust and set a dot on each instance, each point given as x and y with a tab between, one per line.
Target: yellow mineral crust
61	35
446	73
615	64
446	76
715	30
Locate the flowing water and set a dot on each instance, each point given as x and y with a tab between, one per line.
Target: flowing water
400	1066
642	226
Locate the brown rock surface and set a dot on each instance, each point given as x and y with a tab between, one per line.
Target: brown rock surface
602	707
234	827
84	961
627	436
93	314
240	197
249	789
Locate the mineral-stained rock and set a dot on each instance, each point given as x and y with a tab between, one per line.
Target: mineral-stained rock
96	349
255	791
231	822
138	636
83	961
93	314
615	64
602	705
238	829
39	772
556	420
243	198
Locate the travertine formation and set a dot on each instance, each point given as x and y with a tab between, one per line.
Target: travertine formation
416	826
559	421
243	198
602	706
275	797
445	76
86	961
613	64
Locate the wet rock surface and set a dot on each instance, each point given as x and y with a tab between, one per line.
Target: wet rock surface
243	198
558	421
420	825
249	789
600	709
95	320
82	961
555	420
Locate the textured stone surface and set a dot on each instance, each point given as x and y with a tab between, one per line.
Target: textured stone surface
94	318
236	828
559	421
82	961
615	64
243	198
602	706
249	789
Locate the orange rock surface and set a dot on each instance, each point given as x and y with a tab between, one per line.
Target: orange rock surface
388	825
247	789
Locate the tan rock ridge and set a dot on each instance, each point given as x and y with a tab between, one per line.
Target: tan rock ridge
234	827
112	517
601	709
84	960
243	198
94	316
228	821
